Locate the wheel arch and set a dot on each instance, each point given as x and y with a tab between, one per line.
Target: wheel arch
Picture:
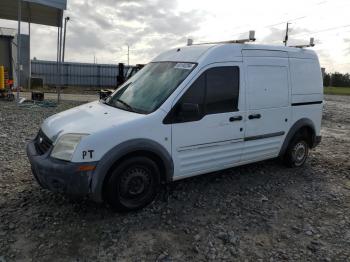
136	147
300	125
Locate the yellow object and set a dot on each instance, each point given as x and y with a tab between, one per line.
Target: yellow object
2	78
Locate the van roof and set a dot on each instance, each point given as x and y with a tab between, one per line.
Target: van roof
230	52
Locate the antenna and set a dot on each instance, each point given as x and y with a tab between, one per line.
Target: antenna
311	44
285	41
251	38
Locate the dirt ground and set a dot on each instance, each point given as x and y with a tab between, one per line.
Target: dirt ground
258	212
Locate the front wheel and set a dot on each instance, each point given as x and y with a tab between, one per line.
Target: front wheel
297	152
133	184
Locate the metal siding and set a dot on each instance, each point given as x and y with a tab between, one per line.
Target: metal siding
77	74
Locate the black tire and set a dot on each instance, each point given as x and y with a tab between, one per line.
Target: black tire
133	184
297	151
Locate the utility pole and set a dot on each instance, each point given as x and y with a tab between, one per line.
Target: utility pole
60	62
29	61
128	54
58	47
286	37
19	40
64	37
29	41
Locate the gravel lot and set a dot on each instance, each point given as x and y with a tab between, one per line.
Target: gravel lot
259	212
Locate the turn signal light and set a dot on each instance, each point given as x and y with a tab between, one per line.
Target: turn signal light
87	168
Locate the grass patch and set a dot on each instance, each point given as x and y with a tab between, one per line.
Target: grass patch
337	91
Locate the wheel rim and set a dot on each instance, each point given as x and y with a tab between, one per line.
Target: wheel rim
300	152
135	185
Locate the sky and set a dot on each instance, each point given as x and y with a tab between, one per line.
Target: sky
100	30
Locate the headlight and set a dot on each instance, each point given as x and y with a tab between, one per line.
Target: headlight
65	146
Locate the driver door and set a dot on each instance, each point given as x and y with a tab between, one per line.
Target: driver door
207	122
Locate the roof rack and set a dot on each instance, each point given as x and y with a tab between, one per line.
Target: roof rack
311	44
251	38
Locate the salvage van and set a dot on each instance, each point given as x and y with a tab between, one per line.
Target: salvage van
192	110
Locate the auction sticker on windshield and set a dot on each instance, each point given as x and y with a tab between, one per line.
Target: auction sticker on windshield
186	66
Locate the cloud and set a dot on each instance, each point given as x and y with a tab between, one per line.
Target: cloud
347	49
82	38
105	28
275	36
296	36
326	60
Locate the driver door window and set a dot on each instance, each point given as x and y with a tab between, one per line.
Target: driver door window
215	91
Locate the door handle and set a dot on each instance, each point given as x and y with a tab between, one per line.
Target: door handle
236	118
255	116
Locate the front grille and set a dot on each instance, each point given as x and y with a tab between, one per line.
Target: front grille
42	143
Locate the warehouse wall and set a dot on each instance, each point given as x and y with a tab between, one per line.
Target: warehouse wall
8	56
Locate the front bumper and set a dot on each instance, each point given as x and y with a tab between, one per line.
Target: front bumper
57	175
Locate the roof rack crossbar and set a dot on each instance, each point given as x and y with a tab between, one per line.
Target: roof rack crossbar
240	41
311	44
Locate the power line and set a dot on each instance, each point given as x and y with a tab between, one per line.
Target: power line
324	30
267	26
289	20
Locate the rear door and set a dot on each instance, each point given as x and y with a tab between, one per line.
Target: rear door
212	139
268	103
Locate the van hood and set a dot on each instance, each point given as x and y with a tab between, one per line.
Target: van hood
86	119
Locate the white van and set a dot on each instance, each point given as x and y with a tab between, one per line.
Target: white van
192	110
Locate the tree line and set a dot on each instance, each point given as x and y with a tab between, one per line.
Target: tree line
336	79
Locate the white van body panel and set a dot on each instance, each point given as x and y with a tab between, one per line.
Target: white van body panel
106	127
203	54
313	112
307	85
88	119
274	83
107	139
305	76
183	54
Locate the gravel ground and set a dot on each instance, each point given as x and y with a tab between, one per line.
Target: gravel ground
259	212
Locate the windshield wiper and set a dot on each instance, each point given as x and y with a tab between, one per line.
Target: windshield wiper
126	104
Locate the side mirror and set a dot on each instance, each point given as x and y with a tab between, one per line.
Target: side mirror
104	94
188	111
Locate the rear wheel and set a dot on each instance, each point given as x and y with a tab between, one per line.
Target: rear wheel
297	152
133	184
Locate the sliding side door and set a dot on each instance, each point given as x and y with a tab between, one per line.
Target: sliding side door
268	104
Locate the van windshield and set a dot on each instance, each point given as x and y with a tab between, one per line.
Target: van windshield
150	87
